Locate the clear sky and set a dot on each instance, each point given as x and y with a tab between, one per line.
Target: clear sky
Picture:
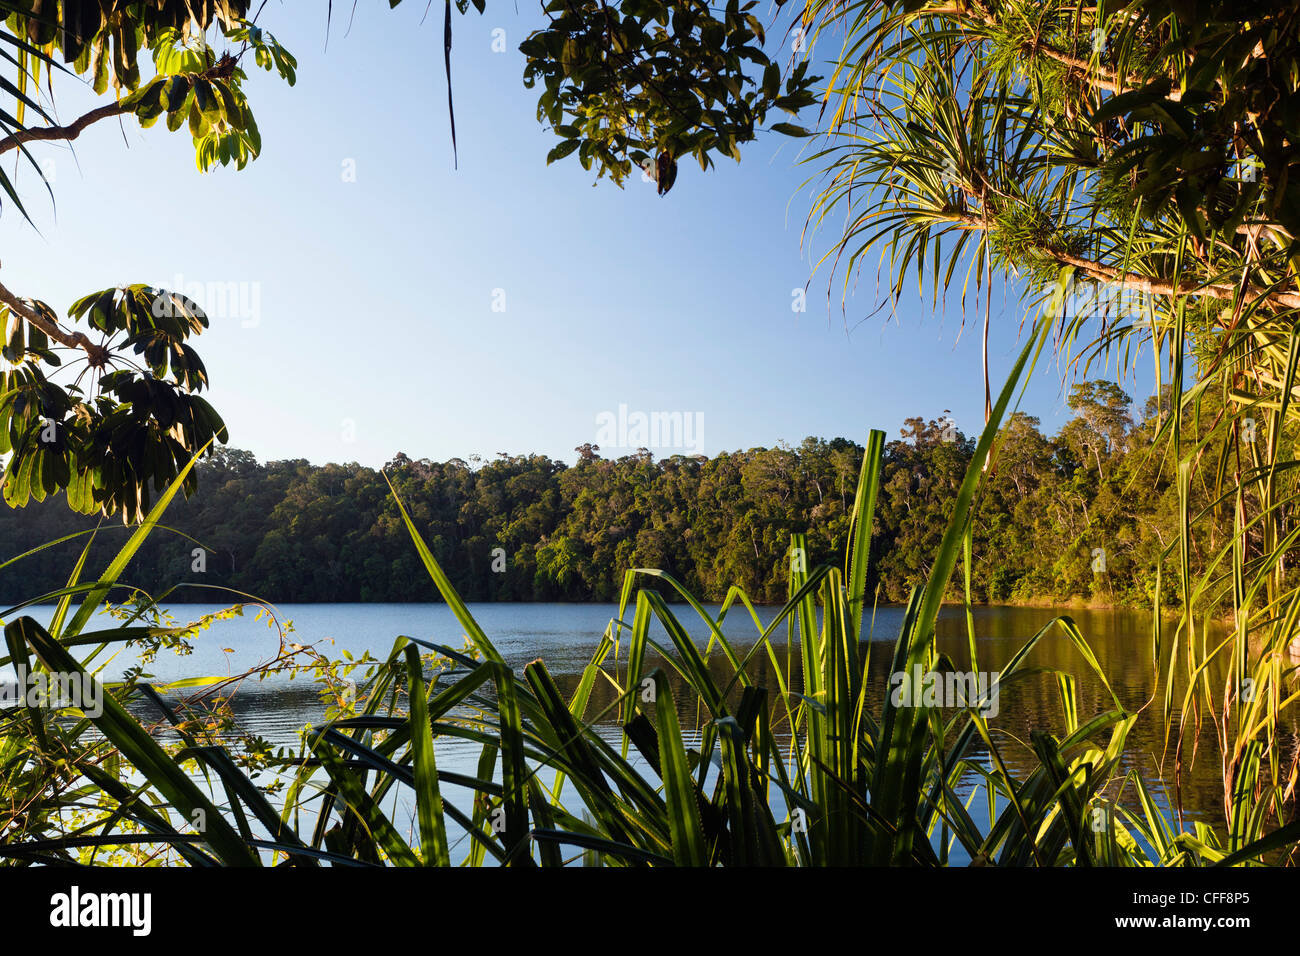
367	325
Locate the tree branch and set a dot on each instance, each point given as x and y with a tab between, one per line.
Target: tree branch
1093	73
1214	290
1134	280
95	354
69	132
223	69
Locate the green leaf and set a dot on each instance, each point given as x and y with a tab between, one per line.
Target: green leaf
564	149
428	796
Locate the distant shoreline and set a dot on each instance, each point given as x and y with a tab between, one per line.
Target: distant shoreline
1075	603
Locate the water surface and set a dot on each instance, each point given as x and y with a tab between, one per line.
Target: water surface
564	637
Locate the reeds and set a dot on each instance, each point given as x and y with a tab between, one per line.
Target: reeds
708	767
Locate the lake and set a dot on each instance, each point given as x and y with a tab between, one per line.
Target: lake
565	635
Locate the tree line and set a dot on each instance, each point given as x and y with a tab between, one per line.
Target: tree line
1085	514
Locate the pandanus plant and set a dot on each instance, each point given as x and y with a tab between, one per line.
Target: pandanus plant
811	771
807	768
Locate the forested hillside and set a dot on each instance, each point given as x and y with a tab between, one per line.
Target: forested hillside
1056	522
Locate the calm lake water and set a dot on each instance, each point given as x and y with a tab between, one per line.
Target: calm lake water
565	635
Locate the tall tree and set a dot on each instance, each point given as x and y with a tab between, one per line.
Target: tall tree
1103	419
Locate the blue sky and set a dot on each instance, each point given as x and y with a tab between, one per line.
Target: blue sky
374	330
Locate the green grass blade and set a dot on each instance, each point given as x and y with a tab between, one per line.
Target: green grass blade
428	798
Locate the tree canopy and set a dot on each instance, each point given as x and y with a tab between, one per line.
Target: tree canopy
530	528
